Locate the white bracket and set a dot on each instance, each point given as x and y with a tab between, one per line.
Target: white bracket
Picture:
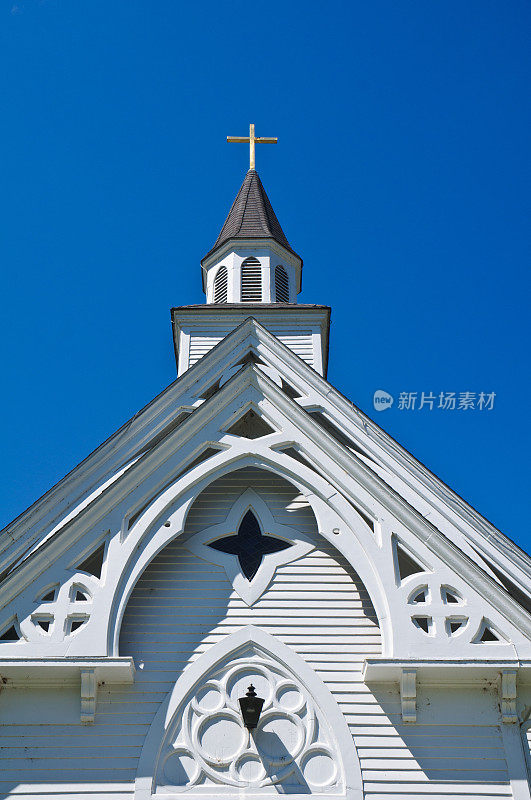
508	696
89	690
408	695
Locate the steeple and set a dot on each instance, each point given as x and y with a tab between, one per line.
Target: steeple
251	271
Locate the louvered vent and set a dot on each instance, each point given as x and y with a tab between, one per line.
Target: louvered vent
251	281
220	285
281	285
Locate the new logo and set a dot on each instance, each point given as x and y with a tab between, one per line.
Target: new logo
382	400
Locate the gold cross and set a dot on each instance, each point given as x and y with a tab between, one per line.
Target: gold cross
252	140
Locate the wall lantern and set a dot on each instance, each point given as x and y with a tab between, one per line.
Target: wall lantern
251	706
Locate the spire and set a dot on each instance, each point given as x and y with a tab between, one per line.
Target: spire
251	216
251	272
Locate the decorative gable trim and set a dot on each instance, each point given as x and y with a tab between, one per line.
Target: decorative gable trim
119	449
347	477
246	640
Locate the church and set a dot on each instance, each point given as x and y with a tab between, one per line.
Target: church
251	590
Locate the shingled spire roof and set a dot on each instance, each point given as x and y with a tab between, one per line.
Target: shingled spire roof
251	216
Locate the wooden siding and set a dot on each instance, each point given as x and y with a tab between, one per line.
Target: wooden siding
317	605
298	341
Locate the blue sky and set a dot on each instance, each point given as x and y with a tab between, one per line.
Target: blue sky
401	176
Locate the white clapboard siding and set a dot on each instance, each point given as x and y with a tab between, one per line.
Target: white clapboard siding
299	341
200	344
182	605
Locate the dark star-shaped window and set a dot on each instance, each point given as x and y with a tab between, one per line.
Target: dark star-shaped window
249	545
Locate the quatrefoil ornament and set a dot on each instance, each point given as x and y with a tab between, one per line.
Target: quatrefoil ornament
250	545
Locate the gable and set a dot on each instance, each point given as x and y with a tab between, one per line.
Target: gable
380	606
148	504
333	412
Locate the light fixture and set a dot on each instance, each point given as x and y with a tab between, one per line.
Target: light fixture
251	706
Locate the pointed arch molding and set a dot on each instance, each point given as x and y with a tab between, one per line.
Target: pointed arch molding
325	736
328	505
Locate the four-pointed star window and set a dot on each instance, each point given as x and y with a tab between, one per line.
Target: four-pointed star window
250	545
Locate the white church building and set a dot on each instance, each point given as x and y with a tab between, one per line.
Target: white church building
251	527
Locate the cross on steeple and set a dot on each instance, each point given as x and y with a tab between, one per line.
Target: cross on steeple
250	545
252	140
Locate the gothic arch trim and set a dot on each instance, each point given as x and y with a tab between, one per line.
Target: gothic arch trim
326	503
229	646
